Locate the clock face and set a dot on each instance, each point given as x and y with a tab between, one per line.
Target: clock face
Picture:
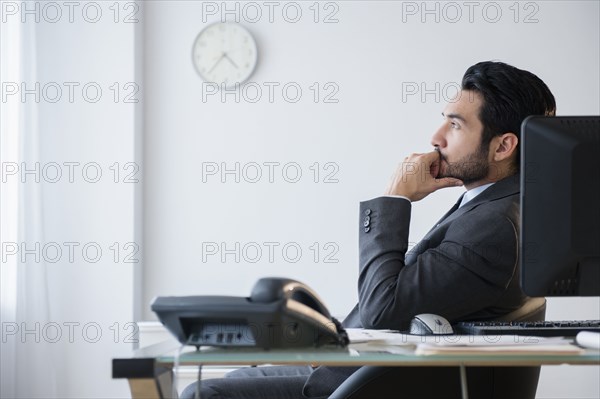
224	53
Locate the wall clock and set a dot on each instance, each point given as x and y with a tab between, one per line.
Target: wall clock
224	53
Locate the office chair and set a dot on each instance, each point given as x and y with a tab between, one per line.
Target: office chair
444	382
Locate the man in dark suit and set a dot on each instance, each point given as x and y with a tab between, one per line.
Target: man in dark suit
465	268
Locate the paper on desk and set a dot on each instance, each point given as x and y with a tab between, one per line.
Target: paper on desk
492	341
393	341
538	349
506	344
359	335
391	337
364	340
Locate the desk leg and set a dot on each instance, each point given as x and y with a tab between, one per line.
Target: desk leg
143	388
147	379
159	387
463	382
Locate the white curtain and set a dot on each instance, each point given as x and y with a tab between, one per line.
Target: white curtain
27	350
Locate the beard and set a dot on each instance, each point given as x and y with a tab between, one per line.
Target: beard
469	169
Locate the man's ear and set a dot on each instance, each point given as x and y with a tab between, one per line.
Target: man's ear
504	146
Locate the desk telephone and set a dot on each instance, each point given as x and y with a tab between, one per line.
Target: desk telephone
279	313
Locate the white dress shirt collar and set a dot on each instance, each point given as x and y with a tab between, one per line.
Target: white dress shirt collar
474	192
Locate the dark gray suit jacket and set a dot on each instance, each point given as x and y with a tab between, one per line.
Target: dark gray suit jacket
465	268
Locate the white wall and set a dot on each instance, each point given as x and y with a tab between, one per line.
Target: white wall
90	300
372	53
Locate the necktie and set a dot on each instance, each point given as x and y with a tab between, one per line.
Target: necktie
411	255
451	211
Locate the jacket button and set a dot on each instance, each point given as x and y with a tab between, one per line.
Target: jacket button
367	221
367	212
367	229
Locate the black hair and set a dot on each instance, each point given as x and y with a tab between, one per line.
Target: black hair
509	96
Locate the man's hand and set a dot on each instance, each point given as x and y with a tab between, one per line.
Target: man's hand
415	178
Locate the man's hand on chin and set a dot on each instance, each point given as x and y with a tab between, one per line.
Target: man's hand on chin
415	178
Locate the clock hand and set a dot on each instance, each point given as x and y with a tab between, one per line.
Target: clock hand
217	63
230	60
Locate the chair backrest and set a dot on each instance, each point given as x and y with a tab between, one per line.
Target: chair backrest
534	309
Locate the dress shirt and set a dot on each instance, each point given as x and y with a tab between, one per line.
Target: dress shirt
474	192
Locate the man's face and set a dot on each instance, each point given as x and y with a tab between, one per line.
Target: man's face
459	140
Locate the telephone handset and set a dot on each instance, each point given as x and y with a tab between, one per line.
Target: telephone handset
280	313
270	289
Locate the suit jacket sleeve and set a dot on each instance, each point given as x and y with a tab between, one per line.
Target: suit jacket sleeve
457	271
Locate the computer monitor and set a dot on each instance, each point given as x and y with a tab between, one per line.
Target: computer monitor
560	206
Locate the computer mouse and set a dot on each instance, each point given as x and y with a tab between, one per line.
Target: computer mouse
430	324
